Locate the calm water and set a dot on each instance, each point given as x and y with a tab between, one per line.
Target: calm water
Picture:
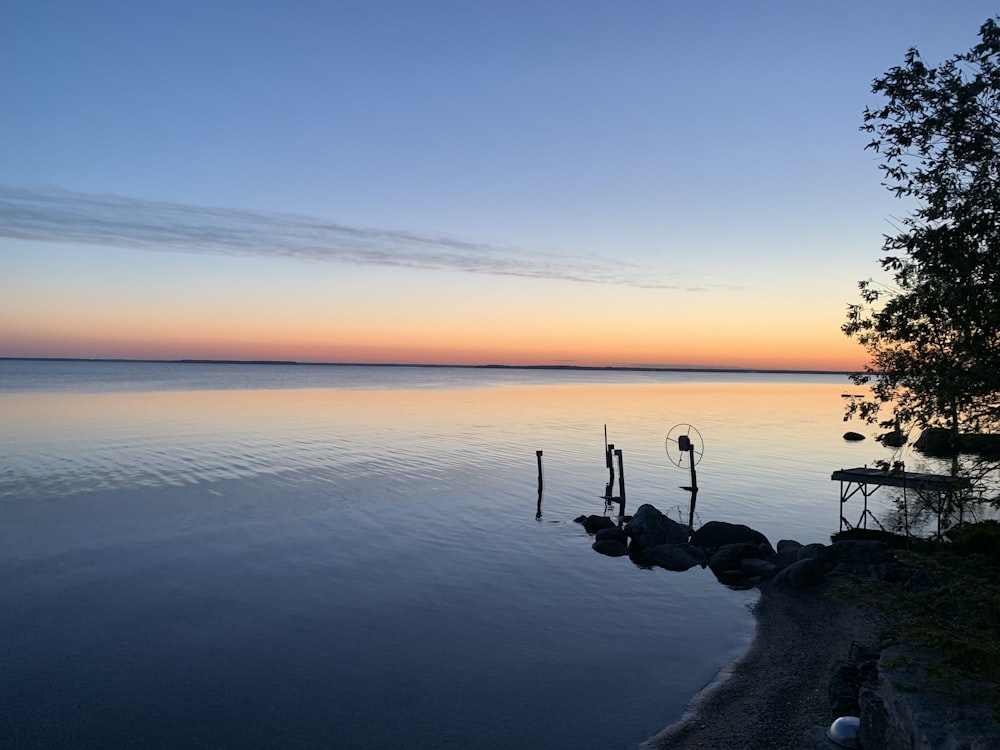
297	556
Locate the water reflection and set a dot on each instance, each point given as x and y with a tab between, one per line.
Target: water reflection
770	446
362	559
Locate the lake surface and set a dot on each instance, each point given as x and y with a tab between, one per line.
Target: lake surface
222	555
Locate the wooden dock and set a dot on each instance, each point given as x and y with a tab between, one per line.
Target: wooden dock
866	481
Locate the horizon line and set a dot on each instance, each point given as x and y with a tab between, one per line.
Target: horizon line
496	366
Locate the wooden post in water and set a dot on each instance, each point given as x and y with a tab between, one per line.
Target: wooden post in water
694	493
608	450
538	512
621	484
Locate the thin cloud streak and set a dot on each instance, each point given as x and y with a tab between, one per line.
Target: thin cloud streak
59	215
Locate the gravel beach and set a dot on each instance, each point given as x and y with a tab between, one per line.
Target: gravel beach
779	688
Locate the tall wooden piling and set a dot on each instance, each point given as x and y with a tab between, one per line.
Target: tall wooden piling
621	483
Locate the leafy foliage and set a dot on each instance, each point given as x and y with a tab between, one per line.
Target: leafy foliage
934	339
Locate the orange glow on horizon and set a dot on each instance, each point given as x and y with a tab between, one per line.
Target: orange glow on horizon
845	357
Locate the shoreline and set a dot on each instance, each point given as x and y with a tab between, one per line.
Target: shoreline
699	369
772	695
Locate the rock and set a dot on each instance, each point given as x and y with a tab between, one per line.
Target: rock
593	524
614	534
649	528
903	711
815	551
801	574
674	556
938	442
763	569
935	441
855	551
720	533
784	558
610	547
853	436
729	557
788	544
892	439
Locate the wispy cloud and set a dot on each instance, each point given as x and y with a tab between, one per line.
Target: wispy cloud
58	215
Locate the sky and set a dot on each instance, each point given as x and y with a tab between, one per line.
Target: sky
572	182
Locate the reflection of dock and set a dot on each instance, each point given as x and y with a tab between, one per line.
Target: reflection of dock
866	481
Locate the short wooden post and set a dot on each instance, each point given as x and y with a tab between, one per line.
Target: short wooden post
611	470
538	511
694	493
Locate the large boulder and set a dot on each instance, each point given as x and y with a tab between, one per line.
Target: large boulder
674	556
815	551
721	533
800	575
649	528
788	544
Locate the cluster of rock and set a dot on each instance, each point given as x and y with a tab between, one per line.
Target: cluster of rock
739	556
886	690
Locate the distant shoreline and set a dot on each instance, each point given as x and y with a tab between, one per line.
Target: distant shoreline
613	368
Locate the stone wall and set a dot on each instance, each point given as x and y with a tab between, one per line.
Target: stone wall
903	712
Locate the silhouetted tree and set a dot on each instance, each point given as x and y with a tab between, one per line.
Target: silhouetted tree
933	336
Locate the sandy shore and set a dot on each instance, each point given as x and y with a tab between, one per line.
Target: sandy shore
779	689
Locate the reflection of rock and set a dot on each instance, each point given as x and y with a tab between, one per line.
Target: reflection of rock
610	547
677	557
614	534
593	524
649	528
754	566
729	556
893	439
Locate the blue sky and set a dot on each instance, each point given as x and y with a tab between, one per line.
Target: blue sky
662	161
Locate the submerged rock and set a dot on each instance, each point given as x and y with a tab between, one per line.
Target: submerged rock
610	547
614	534
678	557
753	566
593	524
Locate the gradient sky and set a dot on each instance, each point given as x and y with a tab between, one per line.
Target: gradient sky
568	182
